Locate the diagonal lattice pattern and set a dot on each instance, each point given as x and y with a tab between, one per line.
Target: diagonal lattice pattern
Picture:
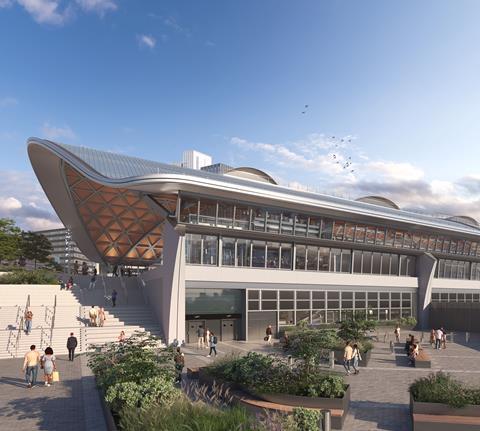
122	226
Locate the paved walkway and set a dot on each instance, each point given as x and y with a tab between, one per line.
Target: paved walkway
70	405
379	397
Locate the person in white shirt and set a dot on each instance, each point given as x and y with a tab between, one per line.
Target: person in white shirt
438	338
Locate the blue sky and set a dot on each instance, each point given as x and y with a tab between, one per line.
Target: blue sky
152	78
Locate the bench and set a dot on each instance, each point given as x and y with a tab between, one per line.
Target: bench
422	360
192	372
258	406
424	422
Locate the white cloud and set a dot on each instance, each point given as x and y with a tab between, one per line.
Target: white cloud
397	171
53	132
9	204
8	101
146	40
172	22
6	3
46	11
99	6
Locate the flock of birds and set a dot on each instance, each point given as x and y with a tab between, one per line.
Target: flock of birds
346	164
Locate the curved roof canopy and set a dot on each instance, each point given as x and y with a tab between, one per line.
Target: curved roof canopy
251	174
378	200
467	220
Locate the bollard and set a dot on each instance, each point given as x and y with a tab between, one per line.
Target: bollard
451	337
326	420
392	348
467	337
385	338
421	338
331	359
290	361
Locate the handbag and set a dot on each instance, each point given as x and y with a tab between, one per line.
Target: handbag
55	376
265	338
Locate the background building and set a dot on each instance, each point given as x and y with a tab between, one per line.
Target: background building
236	252
65	250
217	168
195	159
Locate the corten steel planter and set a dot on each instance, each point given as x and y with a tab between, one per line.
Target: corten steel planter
338	355
439	410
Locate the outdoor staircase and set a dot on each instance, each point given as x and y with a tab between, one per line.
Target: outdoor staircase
70	315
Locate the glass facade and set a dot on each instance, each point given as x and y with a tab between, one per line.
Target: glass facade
457	269
319	307
213	301
229	215
456	297
204	249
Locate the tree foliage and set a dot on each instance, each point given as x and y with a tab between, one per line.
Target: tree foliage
10	236
36	247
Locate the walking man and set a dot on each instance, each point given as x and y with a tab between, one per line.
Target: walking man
28	321
268	333
93	280
201	339
71	345
347	357
438	338
114	297
213	344
30	366
92	313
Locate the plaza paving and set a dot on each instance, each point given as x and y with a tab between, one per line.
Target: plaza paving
72	404
379	397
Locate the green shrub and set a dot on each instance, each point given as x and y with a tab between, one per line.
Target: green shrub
306	419
184	415
442	388
22	276
355	330
312	344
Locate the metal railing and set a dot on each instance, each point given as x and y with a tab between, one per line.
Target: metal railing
124	288
53	319
14	339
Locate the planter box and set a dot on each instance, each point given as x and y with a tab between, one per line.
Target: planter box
338	354
443	417
206	379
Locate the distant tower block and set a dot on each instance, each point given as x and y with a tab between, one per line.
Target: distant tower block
195	159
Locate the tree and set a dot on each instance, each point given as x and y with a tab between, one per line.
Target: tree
9	240
36	247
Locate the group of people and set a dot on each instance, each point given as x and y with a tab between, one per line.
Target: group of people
412	348
351	357
33	360
85	269
207	339
97	317
438	338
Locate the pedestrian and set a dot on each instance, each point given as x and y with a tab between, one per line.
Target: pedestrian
444	338
75	267
268	334
70	283
432	337
114	297
213	340
356	358
92	313
95	272
28	321
48	363
93	280
72	343
101	317
115	271
179	360
62	284
438	338
84	268
347	357
30	366
122	337
201	337
397	333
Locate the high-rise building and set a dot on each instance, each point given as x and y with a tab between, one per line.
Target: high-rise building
65	251
195	159
217	168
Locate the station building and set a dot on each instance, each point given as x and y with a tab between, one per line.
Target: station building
235	251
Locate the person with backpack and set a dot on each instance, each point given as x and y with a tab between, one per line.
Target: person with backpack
356	357
213	344
179	360
28	321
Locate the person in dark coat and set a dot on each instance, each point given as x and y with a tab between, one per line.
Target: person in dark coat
71	345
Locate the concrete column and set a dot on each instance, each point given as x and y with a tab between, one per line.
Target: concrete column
425	267
165	286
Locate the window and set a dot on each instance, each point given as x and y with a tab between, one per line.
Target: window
242	217
258	254
318	317
389	238
347	300
394	264
301	225
258	219
225	215
335	260
423	242
208	212
287	300
367	262
327	228
273	221
384	300
446	245
210	248
303	316
312	258
300	256
287	294
357	261
395	300
431	242
303	300
439	244
323	259
416	241
243	252
333	300
346	261
385	267
370	238
273	254
287	224
349	231
372	300
376	260
406	300
398	239
380	237
318	299
360	234
286	318
189	210
453	247
314	224
360	300
193	248
228	251
407	241
338	230
460	246
286	256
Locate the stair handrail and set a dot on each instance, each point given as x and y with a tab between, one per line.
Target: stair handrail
19	334
124	288
53	319
27	305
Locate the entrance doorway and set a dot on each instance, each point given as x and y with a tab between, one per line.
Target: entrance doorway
192	328
229	329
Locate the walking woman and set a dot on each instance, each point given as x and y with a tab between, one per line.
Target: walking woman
356	357
213	344
48	363
101	317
